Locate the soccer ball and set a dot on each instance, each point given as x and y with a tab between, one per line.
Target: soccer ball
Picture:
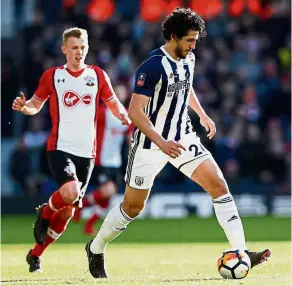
233	264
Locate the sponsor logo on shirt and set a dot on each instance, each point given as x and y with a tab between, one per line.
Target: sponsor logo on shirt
72	99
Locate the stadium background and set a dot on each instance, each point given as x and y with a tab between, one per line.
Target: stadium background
242	79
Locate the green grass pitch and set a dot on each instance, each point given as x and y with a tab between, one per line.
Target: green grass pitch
150	252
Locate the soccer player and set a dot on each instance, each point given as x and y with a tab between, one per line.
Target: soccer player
162	93
106	174
73	91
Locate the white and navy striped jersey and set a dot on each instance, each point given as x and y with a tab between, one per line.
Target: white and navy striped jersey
167	82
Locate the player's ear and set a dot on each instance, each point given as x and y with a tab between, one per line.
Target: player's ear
173	37
63	49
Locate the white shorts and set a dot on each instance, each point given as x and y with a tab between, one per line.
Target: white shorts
144	164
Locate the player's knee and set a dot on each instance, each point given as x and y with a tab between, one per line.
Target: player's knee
70	196
69	192
219	187
132	209
67	213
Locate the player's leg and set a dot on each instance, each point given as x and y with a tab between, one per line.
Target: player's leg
114	224
119	217
209	176
198	164
63	168
141	171
56	228
84	170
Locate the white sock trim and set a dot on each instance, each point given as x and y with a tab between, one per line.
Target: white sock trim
124	214
51	205
53	234
223	199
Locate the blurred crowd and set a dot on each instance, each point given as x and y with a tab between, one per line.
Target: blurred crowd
242	78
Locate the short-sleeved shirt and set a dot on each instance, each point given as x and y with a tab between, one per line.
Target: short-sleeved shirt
74	99
168	83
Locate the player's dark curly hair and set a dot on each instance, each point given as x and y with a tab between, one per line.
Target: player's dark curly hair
180	21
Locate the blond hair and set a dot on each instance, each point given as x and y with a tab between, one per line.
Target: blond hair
74	32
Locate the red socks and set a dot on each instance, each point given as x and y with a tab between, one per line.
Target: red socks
39	249
57	226
56	202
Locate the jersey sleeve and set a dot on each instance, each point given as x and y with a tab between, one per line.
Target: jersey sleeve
106	91
146	77
45	86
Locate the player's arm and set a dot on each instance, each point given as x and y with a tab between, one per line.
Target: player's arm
27	107
139	118
205	120
35	104
118	110
109	97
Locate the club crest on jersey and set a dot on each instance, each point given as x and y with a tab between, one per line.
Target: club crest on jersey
141	79
72	99
89	80
139	181
69	171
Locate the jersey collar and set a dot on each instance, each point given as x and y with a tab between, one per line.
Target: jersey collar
180	62
75	74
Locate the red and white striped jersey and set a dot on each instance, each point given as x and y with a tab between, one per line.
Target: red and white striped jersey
110	137
74	99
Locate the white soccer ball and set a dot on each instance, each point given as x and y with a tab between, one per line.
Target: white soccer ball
233	264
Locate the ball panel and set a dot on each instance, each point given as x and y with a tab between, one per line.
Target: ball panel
219	263
241	271
230	260
225	273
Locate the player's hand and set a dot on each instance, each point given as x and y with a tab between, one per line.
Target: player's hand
124	119
171	148
209	125
19	102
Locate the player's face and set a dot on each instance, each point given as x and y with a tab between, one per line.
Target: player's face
75	50
186	44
